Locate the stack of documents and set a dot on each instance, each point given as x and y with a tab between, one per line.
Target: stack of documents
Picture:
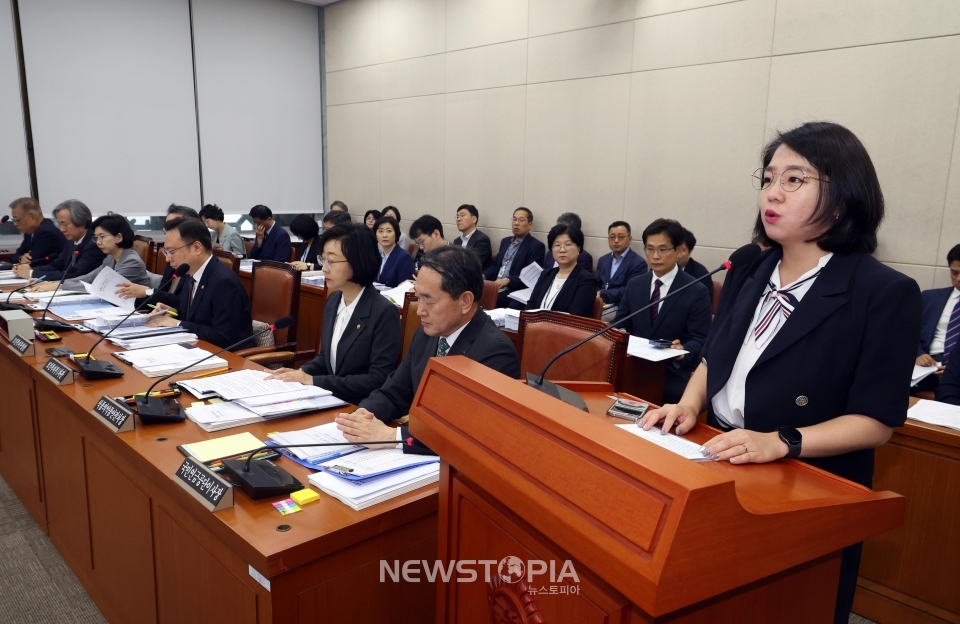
506	318
641	348
311	456
166	359
372	476
82	308
247	265
303	399
529	276
396	295
153	339
936	413
217	416
241	384
218	448
314	278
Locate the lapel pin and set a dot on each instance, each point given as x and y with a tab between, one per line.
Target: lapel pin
801	400
358	325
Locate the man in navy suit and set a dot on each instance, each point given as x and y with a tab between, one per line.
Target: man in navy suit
516	253
41	237
79	256
273	242
617	268
683	319
213	303
936	342
584	259
467	219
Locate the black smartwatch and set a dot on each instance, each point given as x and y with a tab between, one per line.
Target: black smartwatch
792	438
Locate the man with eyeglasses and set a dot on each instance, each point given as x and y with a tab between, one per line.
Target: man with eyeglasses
516	253
683	319
41	237
427	233
214	305
617	268
78	257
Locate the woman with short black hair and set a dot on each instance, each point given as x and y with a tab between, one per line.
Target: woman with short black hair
402	240
396	265
224	235
361	337
370	217
305	227
567	287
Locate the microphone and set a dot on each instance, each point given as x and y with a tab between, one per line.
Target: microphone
263	478
6	305
168	409
39	261
5	219
42	322
741	257
97	369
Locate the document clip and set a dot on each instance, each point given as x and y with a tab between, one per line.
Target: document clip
339	469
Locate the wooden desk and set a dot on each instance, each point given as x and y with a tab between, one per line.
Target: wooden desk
146	551
911	574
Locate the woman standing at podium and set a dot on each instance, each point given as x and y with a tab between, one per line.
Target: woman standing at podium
813	344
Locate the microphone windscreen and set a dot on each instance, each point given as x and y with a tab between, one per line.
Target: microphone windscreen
283	322
181	270
745	256
5	219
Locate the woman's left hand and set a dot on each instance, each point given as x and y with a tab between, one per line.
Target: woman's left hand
42	286
742	446
301	266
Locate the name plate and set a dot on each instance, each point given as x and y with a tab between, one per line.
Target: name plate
58	373
204	485
117	416
21	346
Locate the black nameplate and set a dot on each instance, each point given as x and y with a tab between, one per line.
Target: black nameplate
21	345
61	374
113	414
204	484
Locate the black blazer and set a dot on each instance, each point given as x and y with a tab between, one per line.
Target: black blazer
46	240
848	348
315	250
933	302
220	311
481	341
576	296
948	390
276	245
480	243
368	349
684	317
584	261
632	265
90	258
531	250
398	268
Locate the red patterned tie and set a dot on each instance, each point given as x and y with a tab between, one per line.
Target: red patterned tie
653	298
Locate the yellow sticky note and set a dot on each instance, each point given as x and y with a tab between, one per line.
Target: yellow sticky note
304	496
197	404
214	401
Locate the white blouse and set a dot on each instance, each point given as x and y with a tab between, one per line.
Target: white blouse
551	297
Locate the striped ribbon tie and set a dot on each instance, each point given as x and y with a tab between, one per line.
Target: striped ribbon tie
776	308
953	332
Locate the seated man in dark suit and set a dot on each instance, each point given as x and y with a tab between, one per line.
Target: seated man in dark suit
213	303
683	319
584	260
617	268
41	237
948	390
467	218
273	242
427	233
515	254
940	324
449	287
74	219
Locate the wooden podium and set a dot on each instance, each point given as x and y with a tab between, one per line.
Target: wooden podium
653	537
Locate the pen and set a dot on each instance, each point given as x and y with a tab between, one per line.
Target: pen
167	311
213	372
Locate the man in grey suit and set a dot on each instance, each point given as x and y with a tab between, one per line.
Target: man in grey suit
449	286
467	218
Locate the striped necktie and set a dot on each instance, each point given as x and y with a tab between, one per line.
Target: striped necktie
776	308
953	331
442	347
655	297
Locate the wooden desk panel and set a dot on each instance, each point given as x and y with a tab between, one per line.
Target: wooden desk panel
19	443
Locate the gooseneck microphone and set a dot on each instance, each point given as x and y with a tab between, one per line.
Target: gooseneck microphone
97	369
741	257
42	322
168	409
6	305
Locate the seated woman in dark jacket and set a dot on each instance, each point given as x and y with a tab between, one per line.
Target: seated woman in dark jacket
566	287
361	329
396	265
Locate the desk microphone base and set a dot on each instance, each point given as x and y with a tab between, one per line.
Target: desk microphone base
50	325
264	480
159	411
97	369
558	392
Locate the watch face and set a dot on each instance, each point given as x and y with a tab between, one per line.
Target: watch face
790	436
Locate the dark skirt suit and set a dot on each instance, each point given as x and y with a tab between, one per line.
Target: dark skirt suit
368	349
398	268
575	297
847	348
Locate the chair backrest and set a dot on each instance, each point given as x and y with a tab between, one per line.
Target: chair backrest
228	259
488	300
160	263
275	293
717	287
543	334
409	321
597	308
146	249
248	245
412	249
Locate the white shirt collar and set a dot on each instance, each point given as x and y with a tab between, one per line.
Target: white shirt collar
199	273
452	338
267	233
353	304
466	237
775	276
666	280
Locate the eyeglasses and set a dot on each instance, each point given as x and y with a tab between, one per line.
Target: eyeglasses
420	241
790	179
169	252
563	246
618	237
327	263
101	237
658	251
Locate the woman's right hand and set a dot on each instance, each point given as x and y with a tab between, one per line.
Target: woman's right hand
684	417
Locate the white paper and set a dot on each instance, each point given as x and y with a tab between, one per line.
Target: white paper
105	286
530	274
936	413
376	490
305	392
328	433
219	413
523	296
680	446
396	295
238	385
641	348
372	461
16	281
166	354
922	372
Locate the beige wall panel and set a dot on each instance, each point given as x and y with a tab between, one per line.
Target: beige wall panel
725	32
488	67
923	275
585	53
410	28
484	152
941	276
353	151
695	137
900	99
553	16
807	25
576	143
472	23
352	34
418	76
648	8
950	230
411	154
349	86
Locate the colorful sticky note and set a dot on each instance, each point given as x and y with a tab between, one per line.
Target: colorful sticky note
305	496
215	400
197	404
286	507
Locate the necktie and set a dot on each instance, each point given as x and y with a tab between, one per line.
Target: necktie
188	284
953	331
654	298
776	308
442	347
